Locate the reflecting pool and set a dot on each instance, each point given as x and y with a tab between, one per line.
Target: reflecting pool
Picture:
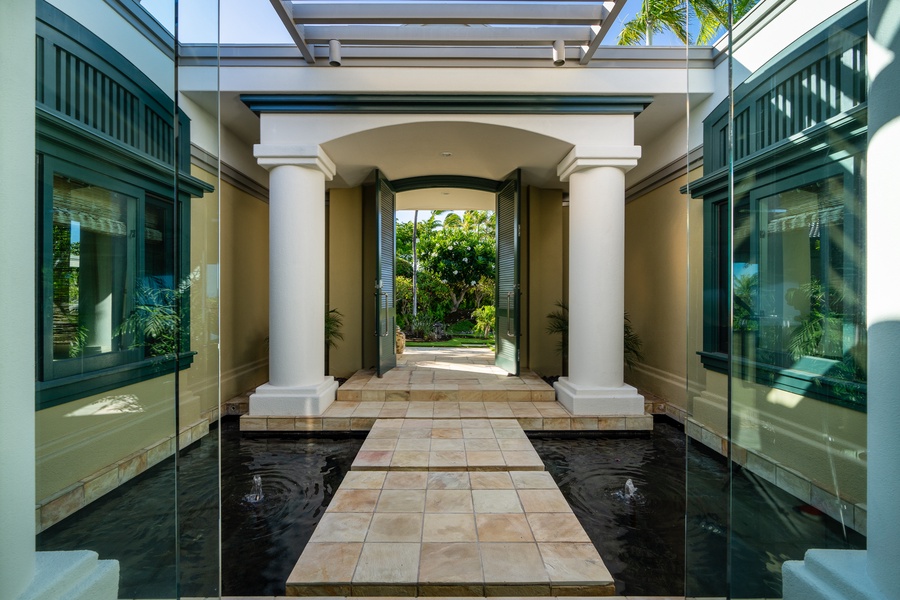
639	530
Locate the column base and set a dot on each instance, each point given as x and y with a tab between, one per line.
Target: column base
829	575
269	400
581	400
76	575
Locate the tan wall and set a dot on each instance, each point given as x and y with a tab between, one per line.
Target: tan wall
786	438
244	291
655	288
345	278
819	440
544	257
79	438
199	385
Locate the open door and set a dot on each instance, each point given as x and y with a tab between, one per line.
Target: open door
385	311
507	330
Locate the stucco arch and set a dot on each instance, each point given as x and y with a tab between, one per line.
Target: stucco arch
412	145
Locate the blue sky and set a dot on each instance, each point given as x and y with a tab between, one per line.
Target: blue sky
255	22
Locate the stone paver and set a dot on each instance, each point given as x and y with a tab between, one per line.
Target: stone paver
407	529
447	445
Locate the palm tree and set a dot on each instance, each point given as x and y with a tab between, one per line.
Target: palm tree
656	16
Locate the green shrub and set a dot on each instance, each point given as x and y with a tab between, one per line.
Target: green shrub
461	327
485	317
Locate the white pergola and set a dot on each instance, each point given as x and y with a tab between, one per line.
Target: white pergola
565	29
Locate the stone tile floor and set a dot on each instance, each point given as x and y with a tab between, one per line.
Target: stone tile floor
447	445
424	532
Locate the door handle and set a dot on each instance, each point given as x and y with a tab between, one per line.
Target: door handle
509	314
385	296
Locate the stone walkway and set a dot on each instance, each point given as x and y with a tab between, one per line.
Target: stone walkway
403	524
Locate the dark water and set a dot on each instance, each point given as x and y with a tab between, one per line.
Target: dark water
641	537
261	542
136	524
647	539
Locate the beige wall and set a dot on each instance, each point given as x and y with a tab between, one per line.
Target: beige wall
791	440
544	269
655	288
821	443
79	438
345	278
199	385
244	290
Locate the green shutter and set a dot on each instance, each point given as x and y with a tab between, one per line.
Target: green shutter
385	312
507	331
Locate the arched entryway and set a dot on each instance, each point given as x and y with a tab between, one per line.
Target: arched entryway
309	145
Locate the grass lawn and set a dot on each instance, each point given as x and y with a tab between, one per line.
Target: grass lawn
456	342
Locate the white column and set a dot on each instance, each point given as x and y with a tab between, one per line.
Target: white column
297	382
17	295
595	385
873	573
24	573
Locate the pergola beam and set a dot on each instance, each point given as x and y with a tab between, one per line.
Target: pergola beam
432	35
613	9
464	13
284	10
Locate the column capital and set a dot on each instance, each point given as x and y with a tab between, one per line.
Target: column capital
312	157
582	158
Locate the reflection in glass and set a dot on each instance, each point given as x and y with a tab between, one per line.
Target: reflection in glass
90	267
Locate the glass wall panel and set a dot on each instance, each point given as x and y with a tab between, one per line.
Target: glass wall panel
777	391
127	389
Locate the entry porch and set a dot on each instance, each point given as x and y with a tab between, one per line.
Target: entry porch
446	383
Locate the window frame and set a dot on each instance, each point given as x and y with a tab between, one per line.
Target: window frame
777	179
60	383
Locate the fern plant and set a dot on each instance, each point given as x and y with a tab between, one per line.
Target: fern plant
558	323
334	321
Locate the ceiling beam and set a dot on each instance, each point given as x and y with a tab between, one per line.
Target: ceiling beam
614	7
284	10
441	35
500	13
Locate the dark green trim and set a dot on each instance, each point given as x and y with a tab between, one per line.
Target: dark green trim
82	78
69	139
811	75
110	125
830	141
447	181
60	391
447	103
